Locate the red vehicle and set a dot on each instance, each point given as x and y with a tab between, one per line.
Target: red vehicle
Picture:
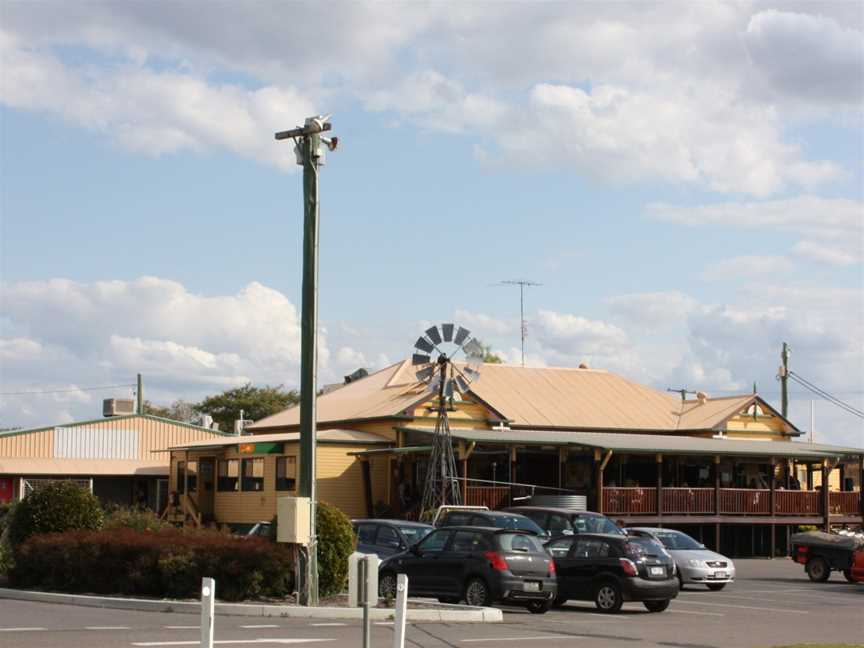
857	569
822	553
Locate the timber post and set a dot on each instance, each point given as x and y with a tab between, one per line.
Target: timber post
861	485
717	488
772	504
659	459
826	499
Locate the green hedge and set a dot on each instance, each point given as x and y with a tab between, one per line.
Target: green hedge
335	543
167	563
56	507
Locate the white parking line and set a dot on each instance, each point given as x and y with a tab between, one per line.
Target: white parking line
195	627
538	638
21	629
328	625
384	623
720	614
744	598
107	628
231	641
742	607
262	625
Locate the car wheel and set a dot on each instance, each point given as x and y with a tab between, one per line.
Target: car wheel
448	599
387	585
477	592
538	607
608	598
716	587
559	602
818	570
656	606
680	580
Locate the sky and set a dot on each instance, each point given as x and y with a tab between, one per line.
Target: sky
684	180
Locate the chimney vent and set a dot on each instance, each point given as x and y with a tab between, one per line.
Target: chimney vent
701	397
583	365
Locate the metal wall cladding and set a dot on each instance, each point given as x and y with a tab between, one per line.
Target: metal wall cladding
95	443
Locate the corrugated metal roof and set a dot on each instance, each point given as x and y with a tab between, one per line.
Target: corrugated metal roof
110	419
323	436
650	443
87	467
546	397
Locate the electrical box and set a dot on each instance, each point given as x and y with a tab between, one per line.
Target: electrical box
293	515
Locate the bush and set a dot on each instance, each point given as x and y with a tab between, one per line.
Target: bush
167	563
56	507
119	517
335	544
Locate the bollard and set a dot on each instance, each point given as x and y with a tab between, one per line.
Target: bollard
364	601
401	605
208	598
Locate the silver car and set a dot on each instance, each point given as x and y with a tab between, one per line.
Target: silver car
696	564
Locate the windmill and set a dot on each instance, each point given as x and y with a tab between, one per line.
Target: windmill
434	355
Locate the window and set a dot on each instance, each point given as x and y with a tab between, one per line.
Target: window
387	537
591	549
468	541
458	519
286	473
228	474
253	474
559	525
181	477
435	541
520	542
560	548
192	476
414	534
366	533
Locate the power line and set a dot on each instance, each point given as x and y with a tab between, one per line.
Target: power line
826	395
65	391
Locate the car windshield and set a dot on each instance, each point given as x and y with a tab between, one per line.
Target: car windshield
414	534
638	547
517	522
677	540
595	524
520	542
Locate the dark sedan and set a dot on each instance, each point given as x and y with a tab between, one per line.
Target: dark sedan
611	569
387	537
480	565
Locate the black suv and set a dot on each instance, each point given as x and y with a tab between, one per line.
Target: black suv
610	569
562	521
479	565
497	519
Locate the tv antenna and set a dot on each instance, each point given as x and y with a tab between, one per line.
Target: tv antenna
523	328
434	355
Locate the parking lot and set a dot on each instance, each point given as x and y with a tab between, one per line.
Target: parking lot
772	603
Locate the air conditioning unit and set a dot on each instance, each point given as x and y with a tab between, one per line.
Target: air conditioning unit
118	406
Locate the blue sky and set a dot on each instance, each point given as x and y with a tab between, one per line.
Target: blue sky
684	213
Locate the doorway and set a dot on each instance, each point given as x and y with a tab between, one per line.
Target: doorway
206	488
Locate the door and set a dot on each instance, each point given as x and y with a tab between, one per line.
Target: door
206	485
589	557
563	556
464	555
388	541
422	565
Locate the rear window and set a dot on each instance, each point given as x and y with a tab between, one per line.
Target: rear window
414	534
595	524
675	540
516	522
520	542
638	547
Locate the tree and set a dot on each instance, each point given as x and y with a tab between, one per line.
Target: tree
256	403
489	357
179	410
55	507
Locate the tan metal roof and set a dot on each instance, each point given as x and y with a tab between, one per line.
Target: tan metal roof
84	467
650	443
546	397
323	436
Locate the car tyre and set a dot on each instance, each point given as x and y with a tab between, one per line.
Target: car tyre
538	607
559	602
656	606
847	573
608	597
387	585
680	580
818	570
477	592
716	587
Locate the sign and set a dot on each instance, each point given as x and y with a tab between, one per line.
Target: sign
271	447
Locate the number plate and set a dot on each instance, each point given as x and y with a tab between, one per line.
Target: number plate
531	586
720	574
658	571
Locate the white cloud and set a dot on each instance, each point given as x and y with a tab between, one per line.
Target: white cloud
481	324
652	309
843	253
747	266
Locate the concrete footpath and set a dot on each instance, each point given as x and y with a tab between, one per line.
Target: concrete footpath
440	613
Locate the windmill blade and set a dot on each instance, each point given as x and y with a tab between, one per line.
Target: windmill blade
473	348
424	345
425	374
461	335
471	374
433	334
420	359
461	384
447	330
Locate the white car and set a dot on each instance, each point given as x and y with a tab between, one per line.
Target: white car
696	564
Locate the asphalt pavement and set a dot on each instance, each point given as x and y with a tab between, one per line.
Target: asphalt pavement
772	603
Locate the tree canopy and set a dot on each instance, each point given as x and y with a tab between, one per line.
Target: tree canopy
256	403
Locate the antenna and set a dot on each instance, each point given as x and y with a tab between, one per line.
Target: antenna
522	283
683	391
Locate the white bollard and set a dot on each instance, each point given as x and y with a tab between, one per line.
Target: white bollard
208	598
401	606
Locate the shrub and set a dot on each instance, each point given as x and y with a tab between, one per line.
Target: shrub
335	544
119	517
56	507
168	563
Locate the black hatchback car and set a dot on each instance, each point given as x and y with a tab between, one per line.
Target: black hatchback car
611	569
497	519
562	521
480	565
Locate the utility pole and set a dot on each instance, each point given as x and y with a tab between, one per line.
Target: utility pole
783	374
307	148
523	328
139	394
